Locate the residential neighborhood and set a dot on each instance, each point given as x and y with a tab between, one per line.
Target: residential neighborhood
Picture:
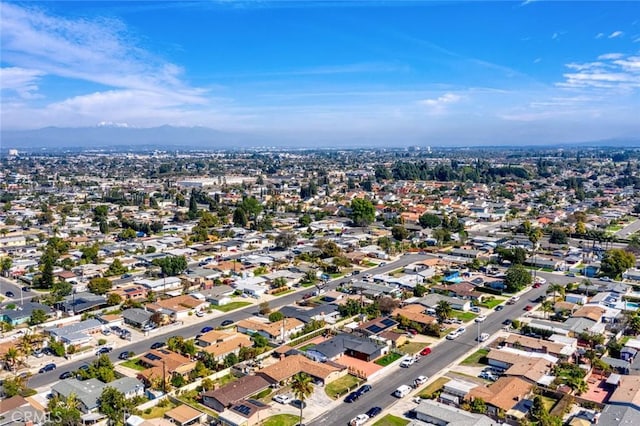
246	288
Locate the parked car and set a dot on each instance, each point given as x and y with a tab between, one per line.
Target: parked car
104	350
124	355
157	345
483	337
373	411
200	314
537	285
359	420
528	308
298	403
352	397
420	380
499	308
506	322
481	318
475	309
606	279
66	375
38	353
206	329
106	332
453	335
9	294
364	389
47	368
26	289
426	351
407	362
282	398
402	391
226	323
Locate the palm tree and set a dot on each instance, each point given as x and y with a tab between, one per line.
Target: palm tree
302	389
546	307
11	357
443	310
555	289
587	284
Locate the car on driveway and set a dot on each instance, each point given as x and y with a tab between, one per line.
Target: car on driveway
426	351
373	411
282	398
47	368
226	323
352	397
359	420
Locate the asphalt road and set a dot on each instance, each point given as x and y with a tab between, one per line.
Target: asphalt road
7	285
47	379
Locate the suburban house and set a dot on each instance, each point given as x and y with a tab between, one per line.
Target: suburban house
88	392
274	331
18	411
219	295
432	300
363	348
133	292
327	312
234	392
463	290
136	317
22	315
283	370
507	357
76	334
177	308
531	344
623	406
437	413
222	343
184	415
504	394
376	326
415	313
163	363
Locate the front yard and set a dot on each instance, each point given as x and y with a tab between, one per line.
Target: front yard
464	316
391	420
230	306
388	359
341	386
133	364
434	387
412	347
281	420
476	358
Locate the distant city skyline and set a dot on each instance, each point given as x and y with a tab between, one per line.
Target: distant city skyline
470	73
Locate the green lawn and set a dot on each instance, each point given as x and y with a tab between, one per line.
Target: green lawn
305	285
464	316
388	359
285	292
158	412
281	420
340	386
476	357
412	347
307	347
492	303
434	387
548	403
133	364
231	306
391	420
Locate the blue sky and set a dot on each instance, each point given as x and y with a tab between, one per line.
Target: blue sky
415	71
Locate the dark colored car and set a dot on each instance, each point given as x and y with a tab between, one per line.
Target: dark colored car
26	289
374	411
506	322
499	307
528	308
352	397
9	294
363	389
124	355
157	345
297	403
104	350
226	323
47	368
206	329
84	367
425	351
66	375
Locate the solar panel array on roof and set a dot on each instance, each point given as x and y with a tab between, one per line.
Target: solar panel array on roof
374	328
152	357
388	322
242	409
257	403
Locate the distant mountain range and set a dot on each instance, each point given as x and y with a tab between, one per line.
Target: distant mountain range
122	137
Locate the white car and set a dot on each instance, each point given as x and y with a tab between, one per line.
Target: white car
481	318
483	337
359	420
420	380
453	335
283	398
407	362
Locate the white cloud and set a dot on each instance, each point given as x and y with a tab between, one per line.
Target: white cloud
439	105
607	56
599	35
612	72
616	34
537	60
21	81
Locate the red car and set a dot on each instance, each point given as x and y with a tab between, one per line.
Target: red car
425	351
537	285
528	308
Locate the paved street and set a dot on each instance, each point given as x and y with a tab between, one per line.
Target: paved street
629	230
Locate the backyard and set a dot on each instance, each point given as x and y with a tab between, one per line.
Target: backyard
159	410
341	386
230	306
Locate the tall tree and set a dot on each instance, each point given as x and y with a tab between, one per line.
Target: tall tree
363	213
615	262
443	310
302	389
114	405
64	411
517	278
193	206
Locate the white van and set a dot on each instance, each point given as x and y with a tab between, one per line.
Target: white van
402	391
